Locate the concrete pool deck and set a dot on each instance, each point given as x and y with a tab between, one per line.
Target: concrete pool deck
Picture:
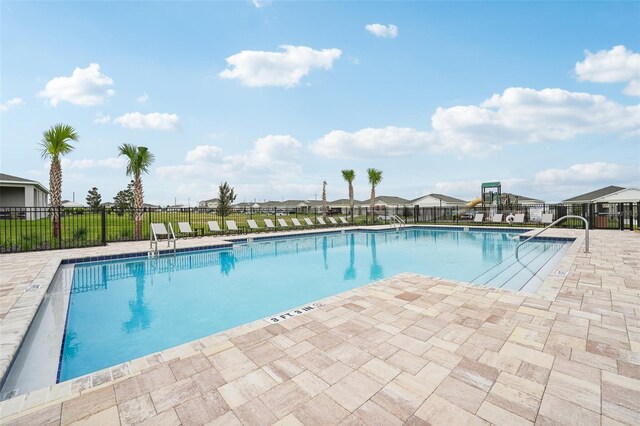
407	349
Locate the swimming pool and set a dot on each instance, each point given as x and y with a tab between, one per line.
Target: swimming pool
123	309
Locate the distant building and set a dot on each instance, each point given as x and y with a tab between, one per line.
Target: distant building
438	200
591	197
20	193
626	195
211	204
389	201
67	204
509	199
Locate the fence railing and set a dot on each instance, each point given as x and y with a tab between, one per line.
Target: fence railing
30	228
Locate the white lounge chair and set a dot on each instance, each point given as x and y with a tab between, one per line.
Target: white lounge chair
496	218
308	221
343	220
518	218
283	223
547	218
253	225
478	218
184	228
214	227
296	222
269	224
332	221
231	226
321	221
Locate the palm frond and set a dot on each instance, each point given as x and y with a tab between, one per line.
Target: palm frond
349	175
56	141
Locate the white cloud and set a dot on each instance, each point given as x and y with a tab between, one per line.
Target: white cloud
280	69
142	98
86	86
517	116
260	3
521	115
618	65
372	143
88	163
271	163
153	120
102	119
11	103
381	30
586	172
204	154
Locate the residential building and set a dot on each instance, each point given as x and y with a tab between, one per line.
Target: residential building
20	193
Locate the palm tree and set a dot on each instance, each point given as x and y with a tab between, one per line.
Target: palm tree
349	175
324	199
140	159
375	177
56	142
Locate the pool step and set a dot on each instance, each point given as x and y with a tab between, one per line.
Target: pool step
514	274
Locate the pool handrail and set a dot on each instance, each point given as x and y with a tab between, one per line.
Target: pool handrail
569	216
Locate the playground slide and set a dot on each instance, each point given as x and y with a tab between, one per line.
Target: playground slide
474	202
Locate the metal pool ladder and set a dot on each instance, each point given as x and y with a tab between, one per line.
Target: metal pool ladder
159	230
397	220
586	231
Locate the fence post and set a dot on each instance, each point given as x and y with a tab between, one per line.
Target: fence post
104	225
59	227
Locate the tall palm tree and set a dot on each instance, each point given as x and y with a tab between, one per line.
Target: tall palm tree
140	159
324	199
349	175
56	142
375	177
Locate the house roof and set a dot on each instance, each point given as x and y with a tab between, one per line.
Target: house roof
627	195
5	178
590	196
389	199
442	197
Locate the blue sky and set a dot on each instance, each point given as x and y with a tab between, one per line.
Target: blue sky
275	97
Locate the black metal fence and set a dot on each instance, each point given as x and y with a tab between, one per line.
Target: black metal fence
29	229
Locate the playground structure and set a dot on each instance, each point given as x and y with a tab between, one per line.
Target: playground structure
491	195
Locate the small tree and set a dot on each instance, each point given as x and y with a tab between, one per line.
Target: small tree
375	177
94	199
56	143
140	160
226	197
324	199
349	175
123	201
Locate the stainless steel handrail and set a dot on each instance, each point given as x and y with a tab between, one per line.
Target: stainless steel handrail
397	219
586	232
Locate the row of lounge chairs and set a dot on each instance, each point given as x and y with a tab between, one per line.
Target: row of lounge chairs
185	229
517	218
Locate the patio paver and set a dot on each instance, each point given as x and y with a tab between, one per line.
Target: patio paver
407	349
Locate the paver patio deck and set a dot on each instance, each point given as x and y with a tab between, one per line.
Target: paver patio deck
408	349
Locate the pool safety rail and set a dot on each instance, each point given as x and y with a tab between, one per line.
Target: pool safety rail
159	230
586	232
396	221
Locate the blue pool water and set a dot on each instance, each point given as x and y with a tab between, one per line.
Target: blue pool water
124	309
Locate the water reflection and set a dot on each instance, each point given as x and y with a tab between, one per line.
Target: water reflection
141	314
227	262
350	272
375	271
